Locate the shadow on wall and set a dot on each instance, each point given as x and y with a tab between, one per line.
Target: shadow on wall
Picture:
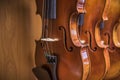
19	27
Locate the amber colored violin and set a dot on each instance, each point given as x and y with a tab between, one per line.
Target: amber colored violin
94	10
76	20
106	35
116	38
56	57
99	26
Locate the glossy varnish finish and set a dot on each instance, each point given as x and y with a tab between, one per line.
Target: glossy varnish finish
99	26
69	45
69	62
93	14
107	38
76	20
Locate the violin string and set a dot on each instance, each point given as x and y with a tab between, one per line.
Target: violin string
43	19
47	23
45	27
43	23
51	21
51	34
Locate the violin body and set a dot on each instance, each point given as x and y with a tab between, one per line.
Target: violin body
114	51
67	64
105	38
93	14
68	49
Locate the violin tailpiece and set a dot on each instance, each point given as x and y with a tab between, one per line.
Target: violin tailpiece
52	63
41	74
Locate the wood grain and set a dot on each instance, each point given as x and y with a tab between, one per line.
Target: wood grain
19	27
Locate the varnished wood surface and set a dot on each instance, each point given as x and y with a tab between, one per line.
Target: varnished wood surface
118	33
19	27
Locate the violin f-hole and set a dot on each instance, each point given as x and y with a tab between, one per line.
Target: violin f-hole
108	37
69	49
90	41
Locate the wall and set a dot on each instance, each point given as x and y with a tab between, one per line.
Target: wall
19	27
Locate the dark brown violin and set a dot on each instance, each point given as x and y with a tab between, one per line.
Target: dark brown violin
56	57
106	37
98	59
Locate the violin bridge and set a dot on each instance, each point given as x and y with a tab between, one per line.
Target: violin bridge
49	39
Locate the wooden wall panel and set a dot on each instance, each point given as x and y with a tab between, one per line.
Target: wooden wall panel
19	27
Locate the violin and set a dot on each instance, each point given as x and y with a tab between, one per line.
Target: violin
68	48
76	19
106	37
56	57
115	61
98	28
116	38
98	60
